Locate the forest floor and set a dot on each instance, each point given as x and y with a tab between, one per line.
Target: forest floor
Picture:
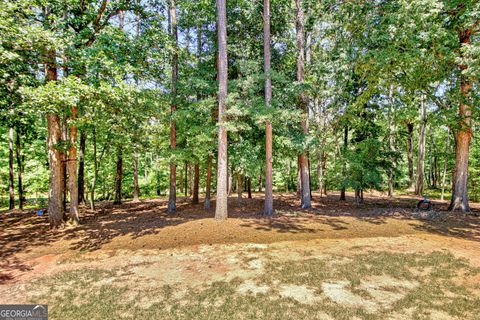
381	260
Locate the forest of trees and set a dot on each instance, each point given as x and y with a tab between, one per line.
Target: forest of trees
129	99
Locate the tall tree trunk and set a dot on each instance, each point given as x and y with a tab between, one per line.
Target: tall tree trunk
72	168
64	155
135	178
268	209
260	180
172	196
55	192
21	198
320	172
95	170
302	104
230	181
190	178
390	141
411	177
463	136
249	187
118	177
196	182
186	179
434	162
444	173
81	167
345	146
10	170
208	186
221	210
421	149
239	186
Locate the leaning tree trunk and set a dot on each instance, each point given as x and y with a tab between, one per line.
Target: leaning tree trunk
118	177
81	167
196	182
302	105
72	168
55	192
208	183
10	170
268	209
21	198
411	177
421	150
172	195
222	195
135	178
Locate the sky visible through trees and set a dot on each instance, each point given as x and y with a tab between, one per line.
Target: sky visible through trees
114	100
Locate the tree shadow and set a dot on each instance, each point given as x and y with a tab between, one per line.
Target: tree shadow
24	231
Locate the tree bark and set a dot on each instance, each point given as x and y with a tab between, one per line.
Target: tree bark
463	136
72	168
95	170
172	196
190	178
320	172
81	167
421	149
345	146
186	179
221	210
411	177
249	187
55	192
268	209
444	173
64	155
390	141
239	186
208	186
21	198
118	177
135	179
260	180
302	104
10	170
196	182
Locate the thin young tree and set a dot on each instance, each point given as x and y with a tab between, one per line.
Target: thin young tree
11	191
221	209
19	171
268	210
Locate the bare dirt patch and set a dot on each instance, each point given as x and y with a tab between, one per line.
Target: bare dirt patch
338	262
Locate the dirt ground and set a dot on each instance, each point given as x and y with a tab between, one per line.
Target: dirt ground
381	260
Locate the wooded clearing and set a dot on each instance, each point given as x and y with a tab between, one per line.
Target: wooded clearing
135	129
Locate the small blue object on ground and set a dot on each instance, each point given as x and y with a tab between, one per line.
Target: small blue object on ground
40	213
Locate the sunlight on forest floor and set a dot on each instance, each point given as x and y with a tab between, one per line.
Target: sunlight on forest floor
133	262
